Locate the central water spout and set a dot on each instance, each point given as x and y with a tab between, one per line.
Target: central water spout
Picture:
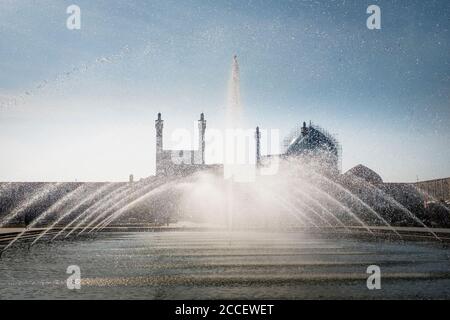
234	108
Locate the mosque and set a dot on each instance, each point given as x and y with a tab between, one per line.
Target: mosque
312	144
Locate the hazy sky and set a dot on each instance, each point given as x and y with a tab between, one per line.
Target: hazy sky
81	104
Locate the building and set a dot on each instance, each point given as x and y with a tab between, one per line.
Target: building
180	162
437	190
312	145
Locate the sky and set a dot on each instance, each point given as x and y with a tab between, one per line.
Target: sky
80	104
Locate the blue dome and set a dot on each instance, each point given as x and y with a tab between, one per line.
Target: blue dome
312	139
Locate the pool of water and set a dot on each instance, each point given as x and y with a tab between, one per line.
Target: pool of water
222	265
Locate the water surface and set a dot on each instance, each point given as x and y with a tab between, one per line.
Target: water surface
222	265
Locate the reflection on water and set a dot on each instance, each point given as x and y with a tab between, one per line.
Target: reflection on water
220	265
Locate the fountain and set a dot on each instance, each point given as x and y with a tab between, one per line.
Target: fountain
306	225
304	190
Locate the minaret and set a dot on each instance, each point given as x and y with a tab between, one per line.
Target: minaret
304	129
159	124
258	147
201	138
